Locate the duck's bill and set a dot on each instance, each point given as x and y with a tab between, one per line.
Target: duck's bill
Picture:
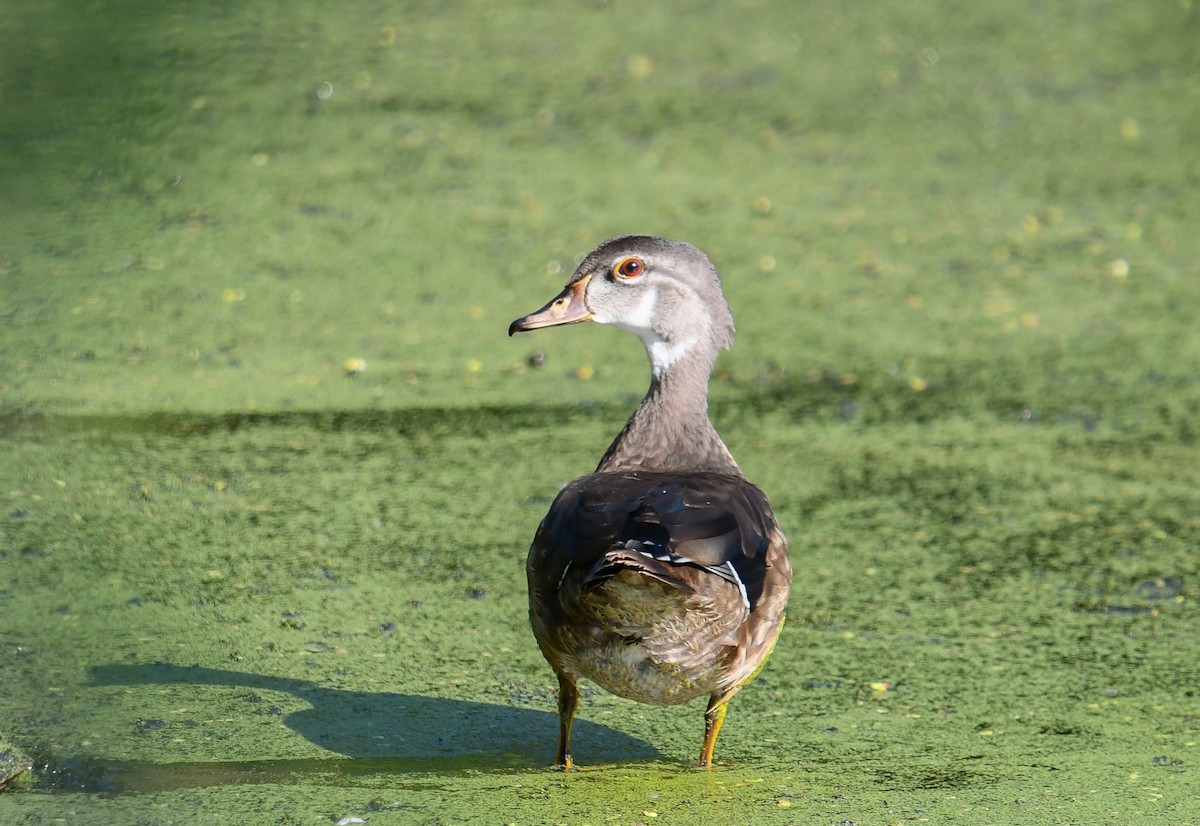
568	307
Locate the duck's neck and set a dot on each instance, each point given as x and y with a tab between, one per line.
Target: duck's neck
670	431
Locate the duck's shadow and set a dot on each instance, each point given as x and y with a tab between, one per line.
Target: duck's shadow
380	733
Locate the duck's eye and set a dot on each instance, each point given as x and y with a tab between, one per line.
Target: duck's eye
630	267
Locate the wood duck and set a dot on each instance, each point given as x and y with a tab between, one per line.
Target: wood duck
663	576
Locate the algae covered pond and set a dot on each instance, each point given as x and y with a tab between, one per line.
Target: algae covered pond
269	465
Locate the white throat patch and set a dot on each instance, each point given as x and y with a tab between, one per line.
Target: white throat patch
640	322
663	355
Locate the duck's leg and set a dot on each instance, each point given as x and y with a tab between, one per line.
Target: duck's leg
714	718
718	704
568	700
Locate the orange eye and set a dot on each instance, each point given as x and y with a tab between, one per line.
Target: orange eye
630	267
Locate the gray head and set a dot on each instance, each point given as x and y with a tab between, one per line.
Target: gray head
667	293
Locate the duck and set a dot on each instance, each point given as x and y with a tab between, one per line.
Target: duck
662	576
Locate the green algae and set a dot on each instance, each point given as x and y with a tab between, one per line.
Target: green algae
245	583
262	608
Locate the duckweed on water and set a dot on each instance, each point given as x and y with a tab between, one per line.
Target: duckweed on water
269	465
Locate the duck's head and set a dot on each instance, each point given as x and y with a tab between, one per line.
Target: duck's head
667	293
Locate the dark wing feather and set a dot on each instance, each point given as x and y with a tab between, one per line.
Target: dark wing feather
717	522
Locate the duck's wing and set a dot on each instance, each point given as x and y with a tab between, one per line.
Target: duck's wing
670	526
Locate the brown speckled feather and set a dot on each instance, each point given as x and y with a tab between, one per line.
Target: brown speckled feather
635	573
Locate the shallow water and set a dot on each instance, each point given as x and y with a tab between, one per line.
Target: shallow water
248	578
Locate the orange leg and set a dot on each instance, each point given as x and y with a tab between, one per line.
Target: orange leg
714	718
568	700
714	715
